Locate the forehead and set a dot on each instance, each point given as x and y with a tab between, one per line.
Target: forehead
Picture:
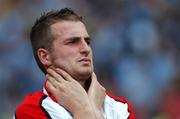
67	29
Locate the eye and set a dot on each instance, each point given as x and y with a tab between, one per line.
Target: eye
88	41
72	40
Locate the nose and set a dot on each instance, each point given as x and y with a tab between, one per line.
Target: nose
84	47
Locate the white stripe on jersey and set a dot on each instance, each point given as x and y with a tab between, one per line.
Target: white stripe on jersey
55	110
114	109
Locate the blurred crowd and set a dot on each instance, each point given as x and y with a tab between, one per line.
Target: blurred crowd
136	45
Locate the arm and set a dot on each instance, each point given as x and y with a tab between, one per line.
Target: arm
63	87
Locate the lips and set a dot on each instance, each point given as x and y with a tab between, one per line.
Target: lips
84	60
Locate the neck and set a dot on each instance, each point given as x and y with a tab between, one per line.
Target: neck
85	83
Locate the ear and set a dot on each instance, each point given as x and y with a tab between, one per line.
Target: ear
44	57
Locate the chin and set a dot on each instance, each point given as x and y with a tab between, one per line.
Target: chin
84	74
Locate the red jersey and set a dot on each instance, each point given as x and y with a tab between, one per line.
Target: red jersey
40	105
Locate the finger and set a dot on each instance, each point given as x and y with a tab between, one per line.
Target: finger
52	72
55	75
64	74
51	80
94	77
50	87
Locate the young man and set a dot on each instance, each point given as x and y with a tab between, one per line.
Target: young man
61	46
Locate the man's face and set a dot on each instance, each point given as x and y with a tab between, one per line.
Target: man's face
71	50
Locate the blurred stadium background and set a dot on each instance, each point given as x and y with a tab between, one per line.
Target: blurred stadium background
136	51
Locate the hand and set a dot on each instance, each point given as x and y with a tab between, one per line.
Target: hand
67	91
72	96
96	92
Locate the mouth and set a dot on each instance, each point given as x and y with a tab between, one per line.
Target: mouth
86	61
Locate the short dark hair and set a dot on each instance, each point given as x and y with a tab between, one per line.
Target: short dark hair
41	36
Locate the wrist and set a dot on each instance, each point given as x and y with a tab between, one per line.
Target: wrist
85	112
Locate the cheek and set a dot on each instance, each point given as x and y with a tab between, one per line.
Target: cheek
64	60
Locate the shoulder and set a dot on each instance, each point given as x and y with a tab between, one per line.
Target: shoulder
119	106
31	107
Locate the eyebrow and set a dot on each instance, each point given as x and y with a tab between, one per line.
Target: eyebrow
77	38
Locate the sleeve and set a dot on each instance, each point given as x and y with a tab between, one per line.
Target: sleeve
131	112
25	112
123	110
